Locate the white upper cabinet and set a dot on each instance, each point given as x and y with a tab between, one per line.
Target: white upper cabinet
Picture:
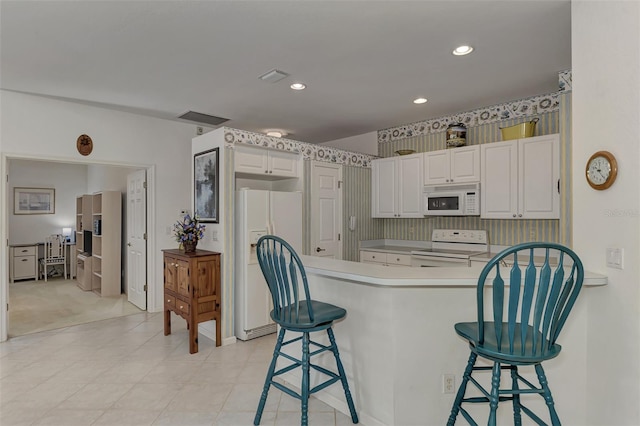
266	162
397	187
520	179
454	165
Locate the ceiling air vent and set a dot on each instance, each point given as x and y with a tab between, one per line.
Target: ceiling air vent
273	76
199	117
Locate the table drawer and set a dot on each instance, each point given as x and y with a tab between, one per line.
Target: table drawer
24	251
373	256
182	306
169	301
399	259
24	266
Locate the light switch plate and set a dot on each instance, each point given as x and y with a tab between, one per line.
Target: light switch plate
615	258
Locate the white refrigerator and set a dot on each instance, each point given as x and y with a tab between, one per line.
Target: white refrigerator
258	213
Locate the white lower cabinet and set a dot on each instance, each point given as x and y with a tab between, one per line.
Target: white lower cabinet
23	262
520	179
384	258
396	187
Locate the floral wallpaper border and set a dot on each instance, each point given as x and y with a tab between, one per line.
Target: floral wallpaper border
308	151
521	108
565	81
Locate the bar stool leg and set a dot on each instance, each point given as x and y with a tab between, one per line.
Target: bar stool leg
548	399
304	395
267	382
517	417
462	389
495	395
343	376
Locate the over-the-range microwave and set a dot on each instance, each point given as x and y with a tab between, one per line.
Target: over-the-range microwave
452	200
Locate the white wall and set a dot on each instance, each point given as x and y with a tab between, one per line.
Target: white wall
107	178
37	127
366	143
223	231
68	180
606	116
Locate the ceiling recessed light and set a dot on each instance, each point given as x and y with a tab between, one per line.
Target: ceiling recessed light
298	86
420	100
462	50
275	133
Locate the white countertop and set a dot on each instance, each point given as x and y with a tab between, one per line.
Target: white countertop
388	276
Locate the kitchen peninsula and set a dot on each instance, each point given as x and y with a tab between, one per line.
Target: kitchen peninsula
398	339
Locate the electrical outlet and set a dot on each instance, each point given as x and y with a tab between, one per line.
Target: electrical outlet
448	383
532	235
214	235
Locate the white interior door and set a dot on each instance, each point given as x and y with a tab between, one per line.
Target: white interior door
326	210
136	239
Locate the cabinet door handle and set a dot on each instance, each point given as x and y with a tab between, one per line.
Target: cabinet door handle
558	186
520	215
25	260
514	215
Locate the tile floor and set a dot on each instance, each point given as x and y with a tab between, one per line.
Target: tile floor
124	371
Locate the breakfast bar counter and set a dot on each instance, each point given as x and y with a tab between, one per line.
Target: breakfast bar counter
398	340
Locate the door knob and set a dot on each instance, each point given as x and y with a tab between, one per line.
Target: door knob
318	250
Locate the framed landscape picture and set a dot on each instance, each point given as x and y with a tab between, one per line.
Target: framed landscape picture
206	185
34	201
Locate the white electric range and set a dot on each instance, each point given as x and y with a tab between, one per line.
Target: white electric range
451	248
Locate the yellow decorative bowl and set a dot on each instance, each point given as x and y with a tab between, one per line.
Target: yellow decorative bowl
405	151
519	131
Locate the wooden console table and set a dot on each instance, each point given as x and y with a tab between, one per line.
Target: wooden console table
192	290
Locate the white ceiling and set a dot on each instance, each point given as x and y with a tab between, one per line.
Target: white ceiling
363	61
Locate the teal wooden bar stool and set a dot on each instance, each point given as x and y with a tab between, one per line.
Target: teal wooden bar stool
282	270
536	304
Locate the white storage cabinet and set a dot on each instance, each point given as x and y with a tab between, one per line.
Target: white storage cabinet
266	162
385	258
396	187
520	179
23	262
453	165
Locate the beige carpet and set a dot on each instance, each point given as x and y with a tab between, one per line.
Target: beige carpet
38	306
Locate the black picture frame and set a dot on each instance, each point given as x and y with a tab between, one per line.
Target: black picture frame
206	185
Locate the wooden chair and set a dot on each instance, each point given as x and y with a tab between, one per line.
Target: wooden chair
282	269
527	319
54	254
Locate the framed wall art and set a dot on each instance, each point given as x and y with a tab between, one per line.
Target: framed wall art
206	185
34	200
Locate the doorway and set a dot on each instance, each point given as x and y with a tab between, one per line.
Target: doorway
31	305
326	210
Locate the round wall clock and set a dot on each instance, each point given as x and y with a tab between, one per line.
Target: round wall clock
84	144
602	170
